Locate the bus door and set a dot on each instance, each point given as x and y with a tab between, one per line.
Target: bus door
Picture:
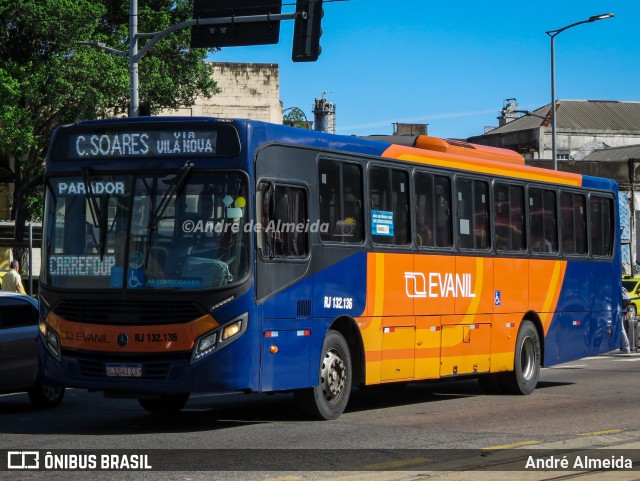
284	285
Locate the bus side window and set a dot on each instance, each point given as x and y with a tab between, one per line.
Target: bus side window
543	220
472	198
390	221
283	220
425	198
443	212
340	189
501	217
573	216
601	215
508	217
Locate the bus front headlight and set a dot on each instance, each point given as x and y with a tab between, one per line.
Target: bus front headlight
50	338
219	337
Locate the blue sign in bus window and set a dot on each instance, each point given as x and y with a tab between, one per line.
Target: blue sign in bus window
382	223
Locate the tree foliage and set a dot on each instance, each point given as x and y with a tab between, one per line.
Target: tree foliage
295	117
47	78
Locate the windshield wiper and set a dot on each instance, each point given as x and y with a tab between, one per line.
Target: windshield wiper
173	190
98	214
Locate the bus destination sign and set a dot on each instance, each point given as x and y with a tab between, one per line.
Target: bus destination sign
143	143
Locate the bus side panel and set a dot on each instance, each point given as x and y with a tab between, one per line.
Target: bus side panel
586	315
429	284
296	321
473	287
545	284
511	300
428	346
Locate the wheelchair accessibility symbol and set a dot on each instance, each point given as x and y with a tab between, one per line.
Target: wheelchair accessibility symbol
497	298
135	278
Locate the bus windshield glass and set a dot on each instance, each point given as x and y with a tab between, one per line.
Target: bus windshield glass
178	230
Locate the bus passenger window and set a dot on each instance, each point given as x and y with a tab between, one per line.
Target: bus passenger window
426	200
508	217
442	232
543	220
283	221
433	198
601	219
472	205
573	216
340	188
390	221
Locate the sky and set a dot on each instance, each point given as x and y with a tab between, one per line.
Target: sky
451	64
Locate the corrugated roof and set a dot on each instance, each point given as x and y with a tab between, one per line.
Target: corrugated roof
591	115
618	153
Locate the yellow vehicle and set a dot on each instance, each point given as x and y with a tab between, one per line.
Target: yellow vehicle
632	285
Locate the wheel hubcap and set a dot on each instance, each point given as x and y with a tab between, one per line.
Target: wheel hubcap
333	375
528	359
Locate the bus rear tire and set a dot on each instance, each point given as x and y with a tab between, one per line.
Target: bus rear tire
526	364
329	398
165	404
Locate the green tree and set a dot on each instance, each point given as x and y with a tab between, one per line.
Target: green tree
295	117
47	78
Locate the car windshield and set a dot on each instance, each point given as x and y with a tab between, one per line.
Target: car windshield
630	285
178	230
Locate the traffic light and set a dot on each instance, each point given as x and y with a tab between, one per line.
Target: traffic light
235	34
307	31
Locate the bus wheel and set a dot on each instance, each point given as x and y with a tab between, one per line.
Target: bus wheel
44	395
526	366
330	397
165	404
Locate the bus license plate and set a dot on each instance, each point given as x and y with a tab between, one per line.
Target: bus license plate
124	370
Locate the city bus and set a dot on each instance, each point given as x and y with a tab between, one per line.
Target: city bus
204	255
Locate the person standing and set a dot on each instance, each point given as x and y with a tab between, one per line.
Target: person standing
625	347
12	280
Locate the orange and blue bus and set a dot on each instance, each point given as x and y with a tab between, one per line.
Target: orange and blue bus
201	255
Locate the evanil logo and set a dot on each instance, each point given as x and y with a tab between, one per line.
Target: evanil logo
438	285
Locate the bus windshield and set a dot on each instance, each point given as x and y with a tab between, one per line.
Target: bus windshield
178	230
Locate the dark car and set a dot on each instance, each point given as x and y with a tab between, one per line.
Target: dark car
19	351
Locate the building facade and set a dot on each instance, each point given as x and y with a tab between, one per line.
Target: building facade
582	127
247	90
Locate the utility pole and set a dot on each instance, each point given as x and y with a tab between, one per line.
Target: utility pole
134	99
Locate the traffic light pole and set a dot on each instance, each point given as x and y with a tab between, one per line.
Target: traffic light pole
135	55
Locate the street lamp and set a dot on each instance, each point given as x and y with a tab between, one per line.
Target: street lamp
552	34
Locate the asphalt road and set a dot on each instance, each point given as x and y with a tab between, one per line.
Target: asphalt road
386	433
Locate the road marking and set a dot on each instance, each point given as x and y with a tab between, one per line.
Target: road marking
599	433
512	445
573	366
284	478
401	463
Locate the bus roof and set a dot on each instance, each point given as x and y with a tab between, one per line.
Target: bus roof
451	146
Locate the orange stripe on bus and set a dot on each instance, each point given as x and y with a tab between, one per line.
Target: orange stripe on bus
156	338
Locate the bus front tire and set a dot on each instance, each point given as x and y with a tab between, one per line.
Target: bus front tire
329	398
45	396
165	404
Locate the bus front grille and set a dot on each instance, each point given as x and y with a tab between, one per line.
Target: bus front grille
129	312
168	367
